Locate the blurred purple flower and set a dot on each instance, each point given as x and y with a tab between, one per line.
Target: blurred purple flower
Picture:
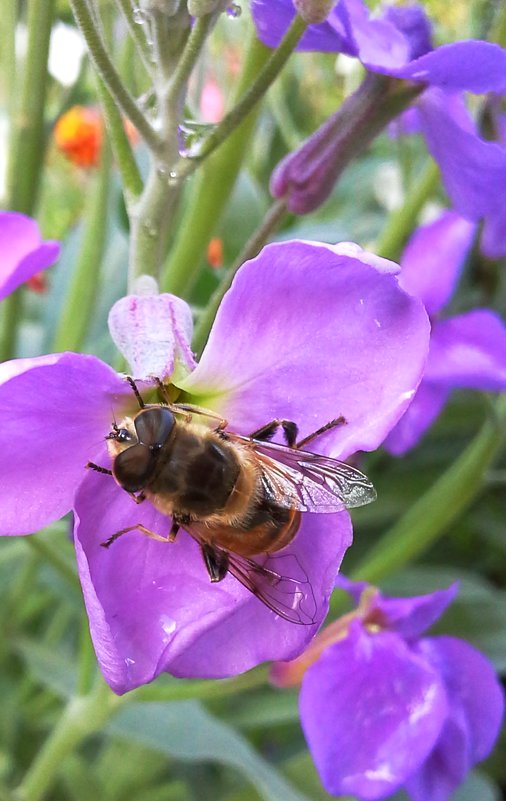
307	332
22	251
384	708
466	351
399	45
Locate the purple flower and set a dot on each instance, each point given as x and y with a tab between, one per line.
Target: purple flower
23	253
399	45
466	351
384	708
307	332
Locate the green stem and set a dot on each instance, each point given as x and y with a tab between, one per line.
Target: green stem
26	146
27	133
83	716
110	76
211	190
130	175
8	55
250	250
254	93
41	545
400	223
183	689
136	33
87	660
429	518
79	305
193	47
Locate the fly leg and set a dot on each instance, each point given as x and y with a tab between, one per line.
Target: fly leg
137	527
339	421
290	431
216	562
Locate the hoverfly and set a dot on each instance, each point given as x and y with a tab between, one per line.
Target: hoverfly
239	497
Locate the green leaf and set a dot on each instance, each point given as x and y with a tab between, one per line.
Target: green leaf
50	667
186	731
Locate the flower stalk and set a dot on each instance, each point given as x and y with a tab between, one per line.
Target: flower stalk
110	76
82	717
80	302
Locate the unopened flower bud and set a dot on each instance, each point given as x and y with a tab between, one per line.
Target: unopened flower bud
313	11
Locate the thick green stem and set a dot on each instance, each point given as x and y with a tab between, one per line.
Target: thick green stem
27	141
211	189
83	716
400	223
110	76
250	250
254	93
79	305
27	132
442	505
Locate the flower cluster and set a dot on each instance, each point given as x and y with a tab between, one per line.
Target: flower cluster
467	350
399	45
383	707
307	332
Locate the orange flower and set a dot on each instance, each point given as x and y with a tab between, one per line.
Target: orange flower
78	134
215	252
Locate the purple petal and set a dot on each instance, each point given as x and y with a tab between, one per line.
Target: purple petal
473	170
380	45
56	411
423	411
153	333
469	351
273	17
433	259
414	23
23	253
371	710
307	334
410	617
472	66
353	588
476	708
152	607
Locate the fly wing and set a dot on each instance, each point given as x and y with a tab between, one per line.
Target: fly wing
309	482
280	583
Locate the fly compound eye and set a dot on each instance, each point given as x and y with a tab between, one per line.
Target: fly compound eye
153	426
133	467
123	435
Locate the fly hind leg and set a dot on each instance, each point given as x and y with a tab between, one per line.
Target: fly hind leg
144	530
266	433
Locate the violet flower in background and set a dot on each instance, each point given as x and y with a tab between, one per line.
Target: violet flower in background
466	351
383	707
399	45
307	332
23	254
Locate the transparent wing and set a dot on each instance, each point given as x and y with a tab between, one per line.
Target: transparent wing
309	482
280	583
